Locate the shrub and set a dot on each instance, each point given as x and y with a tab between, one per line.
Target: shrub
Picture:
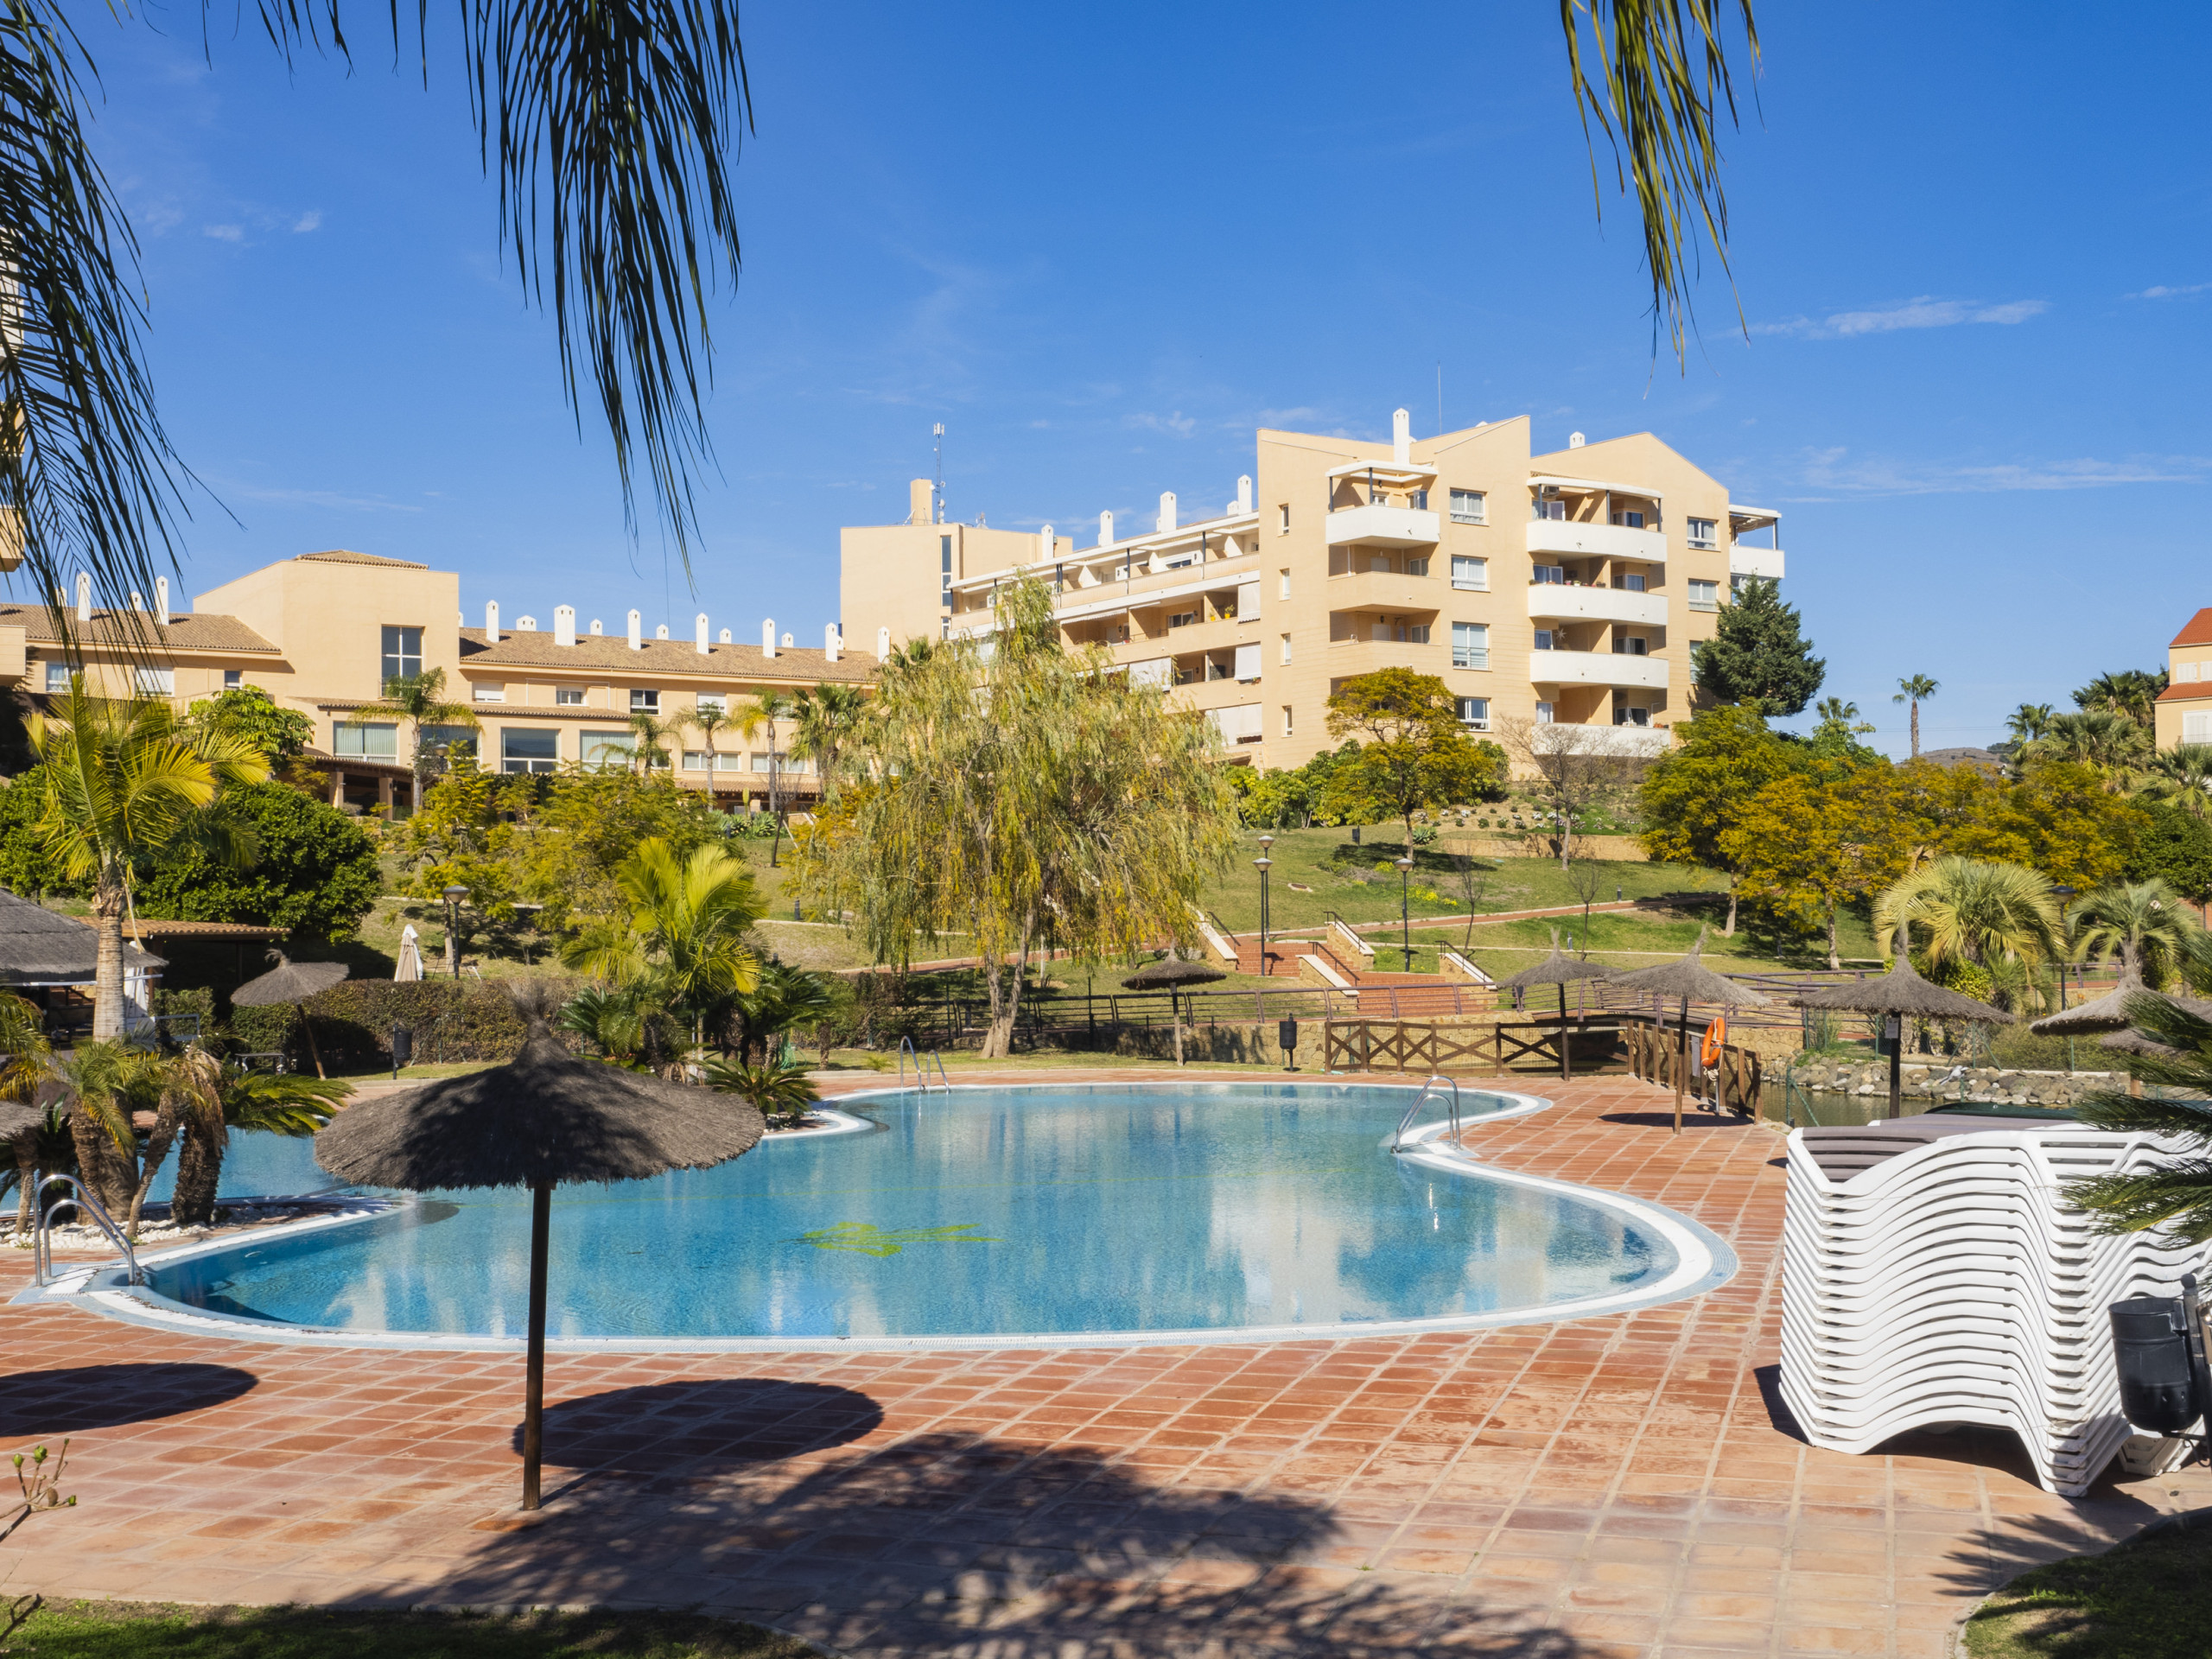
315	873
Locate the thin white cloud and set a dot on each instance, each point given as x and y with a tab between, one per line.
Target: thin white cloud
225	233
332	499
1925	312
1178	423
1840	473
2181	293
311	221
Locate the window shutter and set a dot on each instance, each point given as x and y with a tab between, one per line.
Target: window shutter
1248	599
1248	662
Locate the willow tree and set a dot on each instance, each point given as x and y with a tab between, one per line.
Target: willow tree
1017	793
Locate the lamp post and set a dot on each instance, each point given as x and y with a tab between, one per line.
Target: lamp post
1263	864
1405	900
453	895
2062	893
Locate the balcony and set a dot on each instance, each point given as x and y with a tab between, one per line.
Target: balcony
1223	633
1598	668
1755	562
1385	590
1554	600
1383	527
1348	657
1579	541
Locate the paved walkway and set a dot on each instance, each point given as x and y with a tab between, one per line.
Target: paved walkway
1616	1486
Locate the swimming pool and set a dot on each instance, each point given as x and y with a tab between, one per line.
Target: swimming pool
1045	1213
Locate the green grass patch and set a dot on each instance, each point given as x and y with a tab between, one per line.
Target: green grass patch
2150	1599
139	1631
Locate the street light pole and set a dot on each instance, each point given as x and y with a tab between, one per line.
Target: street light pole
453	895
1405	899
2062	894
1262	864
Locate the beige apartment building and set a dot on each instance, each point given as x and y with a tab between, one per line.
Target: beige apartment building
2183	713
324	632
1564	588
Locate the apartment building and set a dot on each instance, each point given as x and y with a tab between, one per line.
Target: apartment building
1565	587
2183	713
324	632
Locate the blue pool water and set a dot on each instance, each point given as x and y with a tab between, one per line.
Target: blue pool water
1042	1210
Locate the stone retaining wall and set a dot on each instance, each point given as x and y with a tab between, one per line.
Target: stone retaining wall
1992	1086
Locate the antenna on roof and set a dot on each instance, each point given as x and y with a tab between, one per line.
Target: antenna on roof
936	433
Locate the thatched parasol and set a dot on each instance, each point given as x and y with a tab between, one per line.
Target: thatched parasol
1170	974
18	1116
2106	1012
1899	995
292	982
546	1118
1557	970
1693	982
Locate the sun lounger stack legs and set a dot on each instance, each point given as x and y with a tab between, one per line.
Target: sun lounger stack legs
1933	1273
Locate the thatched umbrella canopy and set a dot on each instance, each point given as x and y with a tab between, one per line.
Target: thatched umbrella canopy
2106	1012
17	1118
1170	974
547	1118
1558	970
1690	980
1899	995
292	982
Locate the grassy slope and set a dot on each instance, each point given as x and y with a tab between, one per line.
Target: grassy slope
2150	1600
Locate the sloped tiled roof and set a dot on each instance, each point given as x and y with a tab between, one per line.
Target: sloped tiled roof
2198	630
130	631
612	653
346	555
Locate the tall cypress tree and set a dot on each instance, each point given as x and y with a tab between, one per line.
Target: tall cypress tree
1759	655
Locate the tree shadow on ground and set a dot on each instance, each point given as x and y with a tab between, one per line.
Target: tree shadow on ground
107	1396
1993	1557
1694	1116
949	1543
668	1428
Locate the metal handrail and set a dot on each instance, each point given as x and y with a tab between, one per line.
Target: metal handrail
41	1238
921	1072
906	1047
1398	1140
944	1081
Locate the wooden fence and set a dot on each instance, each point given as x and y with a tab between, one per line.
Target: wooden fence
1423	1046
1655	1052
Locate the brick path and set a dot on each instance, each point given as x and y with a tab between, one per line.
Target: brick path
1612	1486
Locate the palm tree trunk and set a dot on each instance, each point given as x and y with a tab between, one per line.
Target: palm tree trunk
26	1179
1915	729
1729	932
199	1168
150	1163
100	1164
1835	963
108	900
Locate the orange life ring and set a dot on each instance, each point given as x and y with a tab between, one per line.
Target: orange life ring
1716	1038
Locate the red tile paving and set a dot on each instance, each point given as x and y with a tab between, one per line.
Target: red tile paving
1610	1486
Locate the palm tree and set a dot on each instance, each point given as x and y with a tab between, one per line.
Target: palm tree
652	735
2128	694
2175	1194
1916	688
28	1063
708	719
762	714
1977	912
784	997
108	1083
231	1098
2183	776
826	717
2107	743
2029	722
2151	927
121	783
420	699
778	1092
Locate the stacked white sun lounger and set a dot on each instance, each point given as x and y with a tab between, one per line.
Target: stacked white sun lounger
1934	1273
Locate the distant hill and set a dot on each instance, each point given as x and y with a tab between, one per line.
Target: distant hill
1980	760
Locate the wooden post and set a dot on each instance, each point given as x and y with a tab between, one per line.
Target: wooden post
533	1397
1566	1065
1682	1064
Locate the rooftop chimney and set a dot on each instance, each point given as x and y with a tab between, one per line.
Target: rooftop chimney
725	636
637	632
767	636
1574	440
661	630
595	626
564	624
491	621
787	642
918	495
1244	494
883	641
1047	544
1105	530
700	626
1167	510
832	643
84	597
138	600
162	600
1401	436
525	624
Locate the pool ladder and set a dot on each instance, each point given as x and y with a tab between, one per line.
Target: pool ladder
921	1072
84	1203
1428	1090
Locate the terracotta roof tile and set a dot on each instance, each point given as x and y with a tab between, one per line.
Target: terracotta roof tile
346	555
128	631
672	658
2199	631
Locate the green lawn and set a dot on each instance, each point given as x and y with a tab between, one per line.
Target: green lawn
2150	1600
132	1631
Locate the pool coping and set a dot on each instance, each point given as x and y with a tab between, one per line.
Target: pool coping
1704	1261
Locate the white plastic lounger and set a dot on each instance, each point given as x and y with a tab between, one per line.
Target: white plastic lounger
1932	1273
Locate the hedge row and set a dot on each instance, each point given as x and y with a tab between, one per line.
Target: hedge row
449	1020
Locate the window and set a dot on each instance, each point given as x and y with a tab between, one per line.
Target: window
568	696
1702	533
529	751
716	701
57	679
1418	501
1416	567
1705	596
1182	618
371	740
945	567
1543	714
1629	520
1470	645
233	679
1630	645
1474	713
402	654
1282	519
697	761
1470	575
605	748
1416	633
1283	584
1289	724
1544	639
1630	582
1626	716
153	681
446	739
1379	564
645	703
485	693
1554	511
2196	728
1467	508
1286	648
1555	575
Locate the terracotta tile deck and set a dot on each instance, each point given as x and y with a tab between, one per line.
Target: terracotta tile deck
1613	1486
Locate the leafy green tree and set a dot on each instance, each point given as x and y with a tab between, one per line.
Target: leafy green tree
122	784
650	737
315	871
109	1082
1413	754
1834	742
680	937
1698	791
278	733
1294	798
1916	688
26	867
614	1021
1805	845
587	823
1758	655
826	719
2174	847
1020	793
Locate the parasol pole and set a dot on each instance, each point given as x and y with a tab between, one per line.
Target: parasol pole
306	1024
533	1408
1681	1062
1566	1068
1897	1063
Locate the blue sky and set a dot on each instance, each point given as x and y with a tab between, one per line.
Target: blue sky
1100	247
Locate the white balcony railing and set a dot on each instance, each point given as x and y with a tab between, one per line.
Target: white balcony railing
1596	541
1549	600
1379	526
1755	562
1598	668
